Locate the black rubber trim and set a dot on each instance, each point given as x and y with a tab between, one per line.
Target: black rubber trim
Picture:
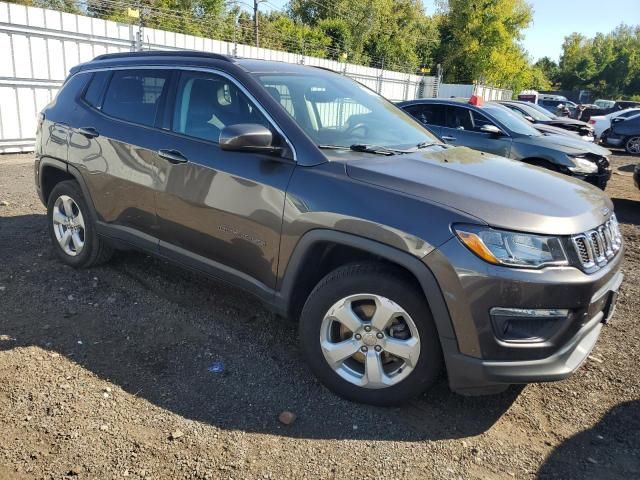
424	275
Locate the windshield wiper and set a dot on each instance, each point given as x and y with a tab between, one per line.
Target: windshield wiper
422	145
379	149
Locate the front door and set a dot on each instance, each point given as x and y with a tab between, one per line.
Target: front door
463	128
219	210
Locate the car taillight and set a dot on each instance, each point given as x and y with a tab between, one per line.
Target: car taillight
592	122
39	122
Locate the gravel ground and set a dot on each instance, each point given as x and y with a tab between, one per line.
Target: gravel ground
105	373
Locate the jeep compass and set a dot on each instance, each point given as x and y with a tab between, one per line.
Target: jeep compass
400	256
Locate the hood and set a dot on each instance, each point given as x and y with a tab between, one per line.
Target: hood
504	193
568	121
546	128
567	144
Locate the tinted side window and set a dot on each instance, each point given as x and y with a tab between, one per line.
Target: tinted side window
206	103
133	95
459	118
479	120
428	114
93	95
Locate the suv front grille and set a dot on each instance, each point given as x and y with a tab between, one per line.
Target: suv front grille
597	247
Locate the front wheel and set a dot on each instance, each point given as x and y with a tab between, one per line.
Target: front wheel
368	335
632	145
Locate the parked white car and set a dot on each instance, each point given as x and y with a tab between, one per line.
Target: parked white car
602	123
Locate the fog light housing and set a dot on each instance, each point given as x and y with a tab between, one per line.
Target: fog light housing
526	325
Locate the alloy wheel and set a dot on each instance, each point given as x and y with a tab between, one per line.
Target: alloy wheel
370	341
633	145
68	225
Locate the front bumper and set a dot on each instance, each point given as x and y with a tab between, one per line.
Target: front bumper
612	140
477	376
477	360
599	179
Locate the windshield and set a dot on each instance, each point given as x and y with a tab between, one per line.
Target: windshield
532	112
511	120
334	110
542	110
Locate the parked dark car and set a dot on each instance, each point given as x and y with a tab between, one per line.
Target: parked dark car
559	106
625	133
533	115
399	255
587	113
495	129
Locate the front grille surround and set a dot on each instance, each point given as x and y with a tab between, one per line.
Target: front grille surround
595	248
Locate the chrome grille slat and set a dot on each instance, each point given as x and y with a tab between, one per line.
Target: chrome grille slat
597	247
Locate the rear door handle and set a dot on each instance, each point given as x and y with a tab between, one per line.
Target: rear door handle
449	139
173	156
88	132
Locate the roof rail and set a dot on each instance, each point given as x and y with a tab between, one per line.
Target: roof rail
163	53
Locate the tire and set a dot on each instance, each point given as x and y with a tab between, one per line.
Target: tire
632	145
73	234
353	288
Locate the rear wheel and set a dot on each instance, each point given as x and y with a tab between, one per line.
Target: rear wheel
632	145
72	227
368	335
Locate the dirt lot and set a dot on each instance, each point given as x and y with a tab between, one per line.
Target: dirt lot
104	373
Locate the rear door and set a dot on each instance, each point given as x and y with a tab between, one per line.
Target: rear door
463	128
114	143
220	210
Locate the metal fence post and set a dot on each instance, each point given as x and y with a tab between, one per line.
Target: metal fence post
380	78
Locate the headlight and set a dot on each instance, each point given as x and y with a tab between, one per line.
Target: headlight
582	165
512	249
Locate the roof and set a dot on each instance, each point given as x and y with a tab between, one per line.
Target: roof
193	57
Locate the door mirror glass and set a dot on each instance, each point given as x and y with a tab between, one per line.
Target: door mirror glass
492	129
251	137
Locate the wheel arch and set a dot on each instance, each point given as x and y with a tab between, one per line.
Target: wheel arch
320	251
52	171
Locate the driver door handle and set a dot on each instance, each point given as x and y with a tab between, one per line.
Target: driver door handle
173	156
88	132
449	139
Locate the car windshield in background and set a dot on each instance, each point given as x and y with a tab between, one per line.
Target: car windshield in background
535	113
542	110
512	121
336	111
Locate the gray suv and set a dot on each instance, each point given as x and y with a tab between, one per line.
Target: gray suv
399	255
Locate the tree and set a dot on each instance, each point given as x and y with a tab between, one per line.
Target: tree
479	41
549	69
607	64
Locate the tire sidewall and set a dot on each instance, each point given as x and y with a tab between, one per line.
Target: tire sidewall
386	284
626	145
72	189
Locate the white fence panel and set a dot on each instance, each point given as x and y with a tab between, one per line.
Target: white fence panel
38	47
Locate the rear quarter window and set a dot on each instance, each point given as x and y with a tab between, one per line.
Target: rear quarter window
93	94
134	95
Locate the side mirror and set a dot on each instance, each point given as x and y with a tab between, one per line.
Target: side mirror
530	118
492	129
248	137
618	120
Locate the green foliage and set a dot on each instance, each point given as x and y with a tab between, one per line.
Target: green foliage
480	42
607	64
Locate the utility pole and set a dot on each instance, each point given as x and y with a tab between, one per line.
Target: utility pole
255	22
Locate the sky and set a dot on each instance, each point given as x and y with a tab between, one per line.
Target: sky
555	19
